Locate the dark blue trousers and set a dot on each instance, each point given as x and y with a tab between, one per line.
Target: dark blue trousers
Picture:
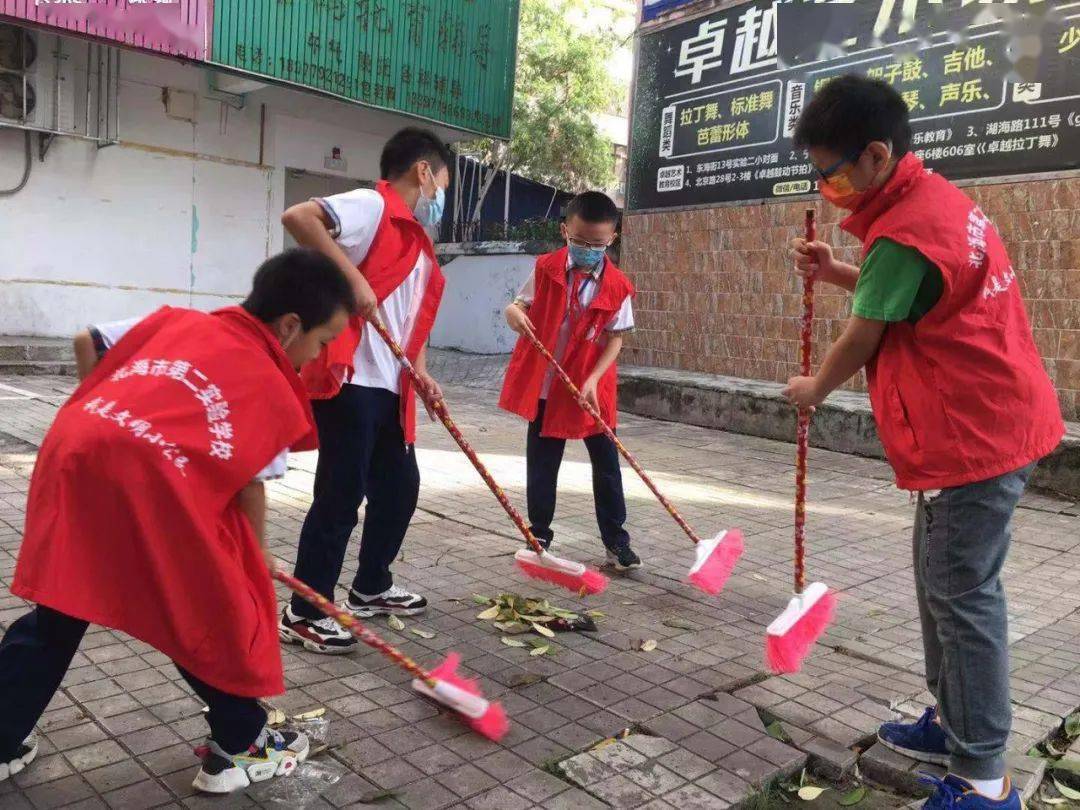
543	457
362	453
34	656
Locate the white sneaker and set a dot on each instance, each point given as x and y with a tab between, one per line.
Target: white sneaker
23	757
395	601
274	753
317	635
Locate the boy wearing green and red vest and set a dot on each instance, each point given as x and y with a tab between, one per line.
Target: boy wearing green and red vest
962	402
577	303
364	403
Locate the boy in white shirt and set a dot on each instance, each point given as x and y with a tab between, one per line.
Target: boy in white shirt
363	401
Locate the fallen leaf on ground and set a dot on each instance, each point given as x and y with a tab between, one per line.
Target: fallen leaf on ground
853	798
395	623
540	650
539	628
680	624
525	679
314	713
416	631
490	613
810	792
512	642
648	645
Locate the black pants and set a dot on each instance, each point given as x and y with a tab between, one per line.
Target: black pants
543	457
362	454
36	653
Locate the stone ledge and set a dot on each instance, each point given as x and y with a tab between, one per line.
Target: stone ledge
844	424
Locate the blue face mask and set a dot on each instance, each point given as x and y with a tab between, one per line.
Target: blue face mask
428	210
586	257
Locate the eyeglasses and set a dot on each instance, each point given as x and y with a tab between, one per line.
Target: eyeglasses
850	157
581	243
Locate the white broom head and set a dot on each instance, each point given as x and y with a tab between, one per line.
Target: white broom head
466	703
550	561
797	608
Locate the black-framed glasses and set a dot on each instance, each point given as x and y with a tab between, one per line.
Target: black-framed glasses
581	243
850	157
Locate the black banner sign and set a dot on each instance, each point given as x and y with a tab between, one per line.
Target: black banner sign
993	89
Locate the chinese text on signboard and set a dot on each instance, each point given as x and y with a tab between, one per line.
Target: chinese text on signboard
717	97
451	61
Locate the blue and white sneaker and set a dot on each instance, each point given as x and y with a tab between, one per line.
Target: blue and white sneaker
923	740
953	793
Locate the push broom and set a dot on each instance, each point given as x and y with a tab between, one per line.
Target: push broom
716	557
534	561
442	684
791	635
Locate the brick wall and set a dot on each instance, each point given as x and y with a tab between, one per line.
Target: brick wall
716	292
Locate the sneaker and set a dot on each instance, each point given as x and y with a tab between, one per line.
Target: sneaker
274	753
953	793
23	757
623	558
395	601
317	635
923	741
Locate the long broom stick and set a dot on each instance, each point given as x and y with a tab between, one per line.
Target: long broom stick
536	563
717	556
791	635
442	683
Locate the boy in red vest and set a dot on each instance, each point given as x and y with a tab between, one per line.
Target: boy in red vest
146	510
577	302
364	403
962	403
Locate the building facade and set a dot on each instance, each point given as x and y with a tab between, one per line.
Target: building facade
130	179
716	191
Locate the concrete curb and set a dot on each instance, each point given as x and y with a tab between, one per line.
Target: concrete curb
844	424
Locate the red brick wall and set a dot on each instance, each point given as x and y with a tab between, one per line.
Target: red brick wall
716	292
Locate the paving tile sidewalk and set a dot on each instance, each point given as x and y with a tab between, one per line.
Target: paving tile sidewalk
120	732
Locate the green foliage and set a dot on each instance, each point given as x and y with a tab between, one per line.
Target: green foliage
562	81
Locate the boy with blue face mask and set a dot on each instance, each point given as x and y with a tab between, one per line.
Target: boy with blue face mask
364	404
577	303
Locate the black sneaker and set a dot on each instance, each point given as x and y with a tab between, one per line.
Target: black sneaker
395	601
317	635
23	757
274	753
623	558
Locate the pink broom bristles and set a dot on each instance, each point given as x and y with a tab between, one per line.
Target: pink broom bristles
716	559
463	695
790	637
565	573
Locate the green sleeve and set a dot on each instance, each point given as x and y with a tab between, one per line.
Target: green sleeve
896	283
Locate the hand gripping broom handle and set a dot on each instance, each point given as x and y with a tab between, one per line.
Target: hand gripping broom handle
802	434
439	408
353	625
595	414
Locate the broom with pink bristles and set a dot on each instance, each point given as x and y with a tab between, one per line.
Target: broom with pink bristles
442	684
716	557
791	635
534	561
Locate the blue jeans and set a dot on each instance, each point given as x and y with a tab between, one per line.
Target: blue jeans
36	653
543	457
961	541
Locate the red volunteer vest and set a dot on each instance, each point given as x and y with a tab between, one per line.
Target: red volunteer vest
132	520
961	395
392	257
563	417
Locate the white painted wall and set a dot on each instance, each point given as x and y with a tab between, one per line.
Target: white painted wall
178	213
478	288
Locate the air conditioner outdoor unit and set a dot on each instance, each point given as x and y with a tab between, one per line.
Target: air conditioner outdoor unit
57	85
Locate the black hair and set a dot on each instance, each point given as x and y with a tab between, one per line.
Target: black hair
303	281
409	145
592	206
850	112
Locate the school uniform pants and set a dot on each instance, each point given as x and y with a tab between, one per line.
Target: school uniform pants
34	656
543	457
961	540
362	454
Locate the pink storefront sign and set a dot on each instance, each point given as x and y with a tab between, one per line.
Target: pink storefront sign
178	27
